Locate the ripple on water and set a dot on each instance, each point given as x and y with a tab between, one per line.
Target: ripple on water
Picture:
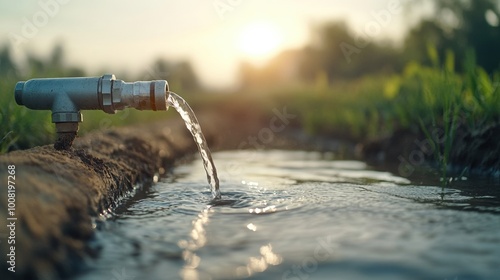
327	219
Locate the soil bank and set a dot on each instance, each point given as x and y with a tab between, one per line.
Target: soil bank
58	194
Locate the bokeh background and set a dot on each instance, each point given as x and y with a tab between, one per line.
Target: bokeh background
356	70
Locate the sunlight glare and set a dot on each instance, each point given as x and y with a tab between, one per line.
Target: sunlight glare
259	40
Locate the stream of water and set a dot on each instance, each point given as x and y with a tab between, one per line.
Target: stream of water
298	216
192	124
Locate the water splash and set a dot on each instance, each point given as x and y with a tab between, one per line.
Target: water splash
187	114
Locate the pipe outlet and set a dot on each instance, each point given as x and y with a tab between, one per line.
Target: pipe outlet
66	97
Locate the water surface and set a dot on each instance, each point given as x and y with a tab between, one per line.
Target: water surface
300	215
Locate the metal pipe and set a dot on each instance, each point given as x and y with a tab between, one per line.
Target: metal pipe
65	97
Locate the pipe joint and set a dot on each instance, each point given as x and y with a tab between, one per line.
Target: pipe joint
66	97
105	90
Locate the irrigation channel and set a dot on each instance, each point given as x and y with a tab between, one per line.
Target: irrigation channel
300	215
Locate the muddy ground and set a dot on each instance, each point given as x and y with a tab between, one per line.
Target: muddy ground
57	193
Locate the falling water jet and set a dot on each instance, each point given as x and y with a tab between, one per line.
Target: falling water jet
192	124
66	97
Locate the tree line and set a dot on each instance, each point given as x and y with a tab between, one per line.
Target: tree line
335	53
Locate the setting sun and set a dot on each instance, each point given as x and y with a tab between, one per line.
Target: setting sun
259	40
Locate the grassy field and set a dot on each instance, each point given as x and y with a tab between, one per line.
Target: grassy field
420	99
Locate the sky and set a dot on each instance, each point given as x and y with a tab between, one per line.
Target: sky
214	35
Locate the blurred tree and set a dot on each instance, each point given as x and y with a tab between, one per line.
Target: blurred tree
248	75
281	70
427	32
185	76
57	57
310	65
51	66
334	53
7	65
326	42
180	75
339	54
459	25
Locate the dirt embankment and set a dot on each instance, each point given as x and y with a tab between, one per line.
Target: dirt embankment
473	152
58	193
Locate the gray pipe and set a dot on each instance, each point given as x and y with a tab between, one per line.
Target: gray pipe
65	97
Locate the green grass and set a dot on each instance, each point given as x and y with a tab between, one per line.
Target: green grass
20	127
420	99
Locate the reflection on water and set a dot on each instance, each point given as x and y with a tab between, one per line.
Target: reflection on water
301	215
198	240
259	264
